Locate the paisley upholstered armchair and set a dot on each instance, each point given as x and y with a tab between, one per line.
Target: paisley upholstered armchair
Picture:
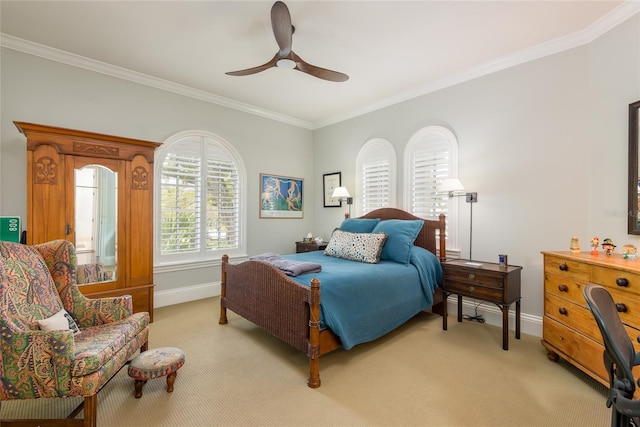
55	342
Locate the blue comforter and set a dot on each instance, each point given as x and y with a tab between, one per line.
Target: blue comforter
361	302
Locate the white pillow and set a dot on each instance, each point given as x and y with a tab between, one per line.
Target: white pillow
59	321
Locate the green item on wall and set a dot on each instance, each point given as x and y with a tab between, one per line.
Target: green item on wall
10	228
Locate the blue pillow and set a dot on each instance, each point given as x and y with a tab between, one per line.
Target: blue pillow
359	225
402	234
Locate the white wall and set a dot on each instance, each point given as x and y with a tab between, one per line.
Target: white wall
544	144
42	91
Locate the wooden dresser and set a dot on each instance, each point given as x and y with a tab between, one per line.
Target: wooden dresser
569	329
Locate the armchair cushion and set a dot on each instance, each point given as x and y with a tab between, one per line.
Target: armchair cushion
97	345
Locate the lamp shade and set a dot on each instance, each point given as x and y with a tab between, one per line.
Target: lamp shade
340	192
450	185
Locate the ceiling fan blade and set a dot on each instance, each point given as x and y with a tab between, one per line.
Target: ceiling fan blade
254	70
319	72
281	25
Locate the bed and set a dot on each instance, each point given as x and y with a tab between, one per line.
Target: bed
290	308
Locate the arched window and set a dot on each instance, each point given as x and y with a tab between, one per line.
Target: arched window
431	155
375	176
199	198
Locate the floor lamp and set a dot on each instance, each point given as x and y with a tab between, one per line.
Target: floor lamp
454	188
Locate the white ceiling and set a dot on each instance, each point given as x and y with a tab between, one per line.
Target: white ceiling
392	50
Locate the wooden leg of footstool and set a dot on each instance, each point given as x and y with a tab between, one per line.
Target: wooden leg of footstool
139	385
170	380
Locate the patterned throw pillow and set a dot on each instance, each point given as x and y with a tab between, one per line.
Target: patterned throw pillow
361	247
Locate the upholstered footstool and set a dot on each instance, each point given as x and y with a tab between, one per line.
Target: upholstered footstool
155	363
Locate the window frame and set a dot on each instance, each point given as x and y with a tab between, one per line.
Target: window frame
201	257
375	149
419	141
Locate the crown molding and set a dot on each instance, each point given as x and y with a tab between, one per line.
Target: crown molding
609	21
36	49
614	18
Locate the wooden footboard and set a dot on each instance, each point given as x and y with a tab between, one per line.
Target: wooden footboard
290	311
282	307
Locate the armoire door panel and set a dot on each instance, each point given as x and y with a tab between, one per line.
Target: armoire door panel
46	195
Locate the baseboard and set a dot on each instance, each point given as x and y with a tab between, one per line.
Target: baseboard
529	324
186	294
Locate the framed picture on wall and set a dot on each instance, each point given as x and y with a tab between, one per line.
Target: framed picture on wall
329	182
281	196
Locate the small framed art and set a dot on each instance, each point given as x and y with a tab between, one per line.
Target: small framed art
329	182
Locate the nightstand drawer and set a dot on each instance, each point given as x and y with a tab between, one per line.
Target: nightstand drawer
302	247
474	290
474	277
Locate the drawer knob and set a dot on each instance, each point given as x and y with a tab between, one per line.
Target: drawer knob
472	276
563	311
621	307
622	281
563	288
471	289
563	267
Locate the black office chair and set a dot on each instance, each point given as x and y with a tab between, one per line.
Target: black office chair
619	357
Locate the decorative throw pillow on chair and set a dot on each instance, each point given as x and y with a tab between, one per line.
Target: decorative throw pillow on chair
59	321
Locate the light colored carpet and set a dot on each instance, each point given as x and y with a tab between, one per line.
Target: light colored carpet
419	375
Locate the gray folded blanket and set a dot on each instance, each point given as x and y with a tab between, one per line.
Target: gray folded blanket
289	266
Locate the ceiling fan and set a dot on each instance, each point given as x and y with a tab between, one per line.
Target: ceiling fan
285	57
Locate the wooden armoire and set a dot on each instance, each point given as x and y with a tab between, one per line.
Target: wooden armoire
97	192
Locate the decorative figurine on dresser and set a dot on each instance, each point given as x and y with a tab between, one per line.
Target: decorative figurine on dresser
629	252
569	329
608	246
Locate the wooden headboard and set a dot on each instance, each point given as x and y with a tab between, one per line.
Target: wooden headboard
427	236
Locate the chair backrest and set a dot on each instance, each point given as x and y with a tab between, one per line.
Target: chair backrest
27	290
618	346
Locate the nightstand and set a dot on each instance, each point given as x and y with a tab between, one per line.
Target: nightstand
484	281
310	246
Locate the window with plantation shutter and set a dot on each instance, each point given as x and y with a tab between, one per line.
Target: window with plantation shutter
198	202
431	155
375	176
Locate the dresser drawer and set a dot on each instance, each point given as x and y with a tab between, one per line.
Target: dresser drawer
582	351
472	289
567	268
630	314
474	277
616	279
574	316
565	287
